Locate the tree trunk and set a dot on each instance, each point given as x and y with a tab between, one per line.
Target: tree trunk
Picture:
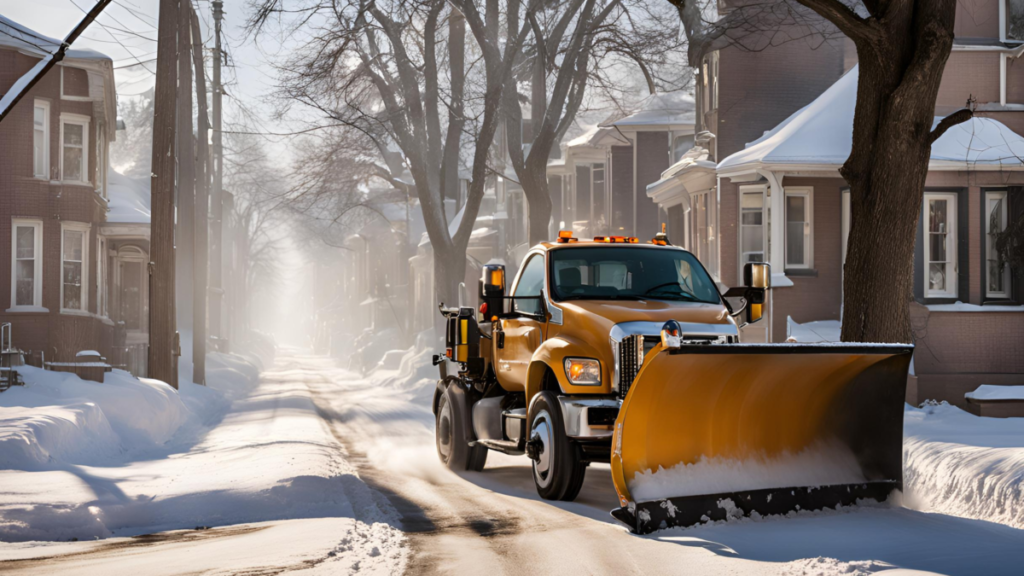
161	268
902	59
535	188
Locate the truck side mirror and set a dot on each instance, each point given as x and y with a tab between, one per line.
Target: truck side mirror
757	275
492	292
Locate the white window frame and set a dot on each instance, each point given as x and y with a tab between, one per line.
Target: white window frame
951	244
806	192
63	96
990	195
101	161
761	189
37	280
83	121
84	229
45	105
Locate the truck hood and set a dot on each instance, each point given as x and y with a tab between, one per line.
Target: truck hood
611	312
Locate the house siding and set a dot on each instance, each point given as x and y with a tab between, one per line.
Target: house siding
652	158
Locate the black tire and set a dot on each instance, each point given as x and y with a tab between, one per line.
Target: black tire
558	470
450	437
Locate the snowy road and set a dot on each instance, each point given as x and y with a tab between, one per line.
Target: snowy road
368	445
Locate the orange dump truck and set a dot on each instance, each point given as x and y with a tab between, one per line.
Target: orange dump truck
616	351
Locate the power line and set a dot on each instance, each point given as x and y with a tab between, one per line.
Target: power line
130	53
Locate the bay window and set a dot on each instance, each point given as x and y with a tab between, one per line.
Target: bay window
26	263
799	228
41	139
74	292
940	245
997	274
74	157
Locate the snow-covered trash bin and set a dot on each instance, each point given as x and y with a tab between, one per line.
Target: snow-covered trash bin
996	401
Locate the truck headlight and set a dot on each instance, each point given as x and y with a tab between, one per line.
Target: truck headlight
586	371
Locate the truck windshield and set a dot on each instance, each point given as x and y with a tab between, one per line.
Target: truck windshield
619	273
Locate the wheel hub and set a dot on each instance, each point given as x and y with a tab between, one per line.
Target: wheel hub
542	440
444	431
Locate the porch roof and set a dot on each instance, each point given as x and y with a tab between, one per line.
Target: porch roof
661	109
820	135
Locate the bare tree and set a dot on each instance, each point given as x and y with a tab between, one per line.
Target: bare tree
902	47
578	44
395	71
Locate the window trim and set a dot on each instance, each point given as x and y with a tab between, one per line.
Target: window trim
69	97
78	120
45	105
752	189
1006	293
807	192
84	229
37	296
951	244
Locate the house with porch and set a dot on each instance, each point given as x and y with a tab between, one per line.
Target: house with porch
773	140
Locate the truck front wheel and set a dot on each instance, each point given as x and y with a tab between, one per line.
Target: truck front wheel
558	469
450	436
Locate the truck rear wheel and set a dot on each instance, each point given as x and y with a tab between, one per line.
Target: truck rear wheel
558	469
450	437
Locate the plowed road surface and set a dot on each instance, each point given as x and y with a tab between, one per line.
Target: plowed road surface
493	523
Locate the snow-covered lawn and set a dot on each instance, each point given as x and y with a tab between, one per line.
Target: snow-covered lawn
84	460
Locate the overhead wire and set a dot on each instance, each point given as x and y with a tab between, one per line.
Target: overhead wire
118	40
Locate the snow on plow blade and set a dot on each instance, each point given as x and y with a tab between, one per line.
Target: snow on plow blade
711	432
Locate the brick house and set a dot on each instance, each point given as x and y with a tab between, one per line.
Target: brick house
777	125
53	200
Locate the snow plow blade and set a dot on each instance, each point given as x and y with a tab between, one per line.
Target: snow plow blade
720	431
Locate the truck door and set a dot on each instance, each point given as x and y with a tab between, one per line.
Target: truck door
522	335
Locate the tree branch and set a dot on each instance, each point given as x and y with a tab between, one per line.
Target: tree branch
959	117
848	22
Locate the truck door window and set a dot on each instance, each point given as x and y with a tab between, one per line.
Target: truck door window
531	281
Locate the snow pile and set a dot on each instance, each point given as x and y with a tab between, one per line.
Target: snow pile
820	465
58	417
411	370
961	464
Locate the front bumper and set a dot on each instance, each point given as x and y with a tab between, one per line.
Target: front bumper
588	418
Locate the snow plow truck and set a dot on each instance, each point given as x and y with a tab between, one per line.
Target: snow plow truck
624	352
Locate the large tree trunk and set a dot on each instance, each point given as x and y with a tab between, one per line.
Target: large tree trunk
538	198
902	57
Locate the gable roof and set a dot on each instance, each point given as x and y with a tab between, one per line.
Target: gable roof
820	136
661	109
14	35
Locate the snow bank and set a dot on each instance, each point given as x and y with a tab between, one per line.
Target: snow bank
816	466
961	464
411	370
57	418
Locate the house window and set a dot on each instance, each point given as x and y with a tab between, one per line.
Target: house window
1011	14
41	139
101	278
74	83
752	229
799	228
997	283
27	272
599	195
940	245
74	158
74	270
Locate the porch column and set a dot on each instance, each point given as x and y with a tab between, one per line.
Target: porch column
777	256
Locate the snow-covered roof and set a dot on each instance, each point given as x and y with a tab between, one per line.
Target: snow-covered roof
662	109
129	198
820	135
14	35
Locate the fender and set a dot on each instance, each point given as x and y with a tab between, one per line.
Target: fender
551	354
460	404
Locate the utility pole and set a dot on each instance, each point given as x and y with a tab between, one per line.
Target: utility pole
161	266
185	233
217	195
199	288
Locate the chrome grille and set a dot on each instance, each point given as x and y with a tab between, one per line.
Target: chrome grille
631	357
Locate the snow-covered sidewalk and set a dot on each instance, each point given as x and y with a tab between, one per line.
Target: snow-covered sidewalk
237	456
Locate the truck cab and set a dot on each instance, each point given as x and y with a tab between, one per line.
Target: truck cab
545	363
